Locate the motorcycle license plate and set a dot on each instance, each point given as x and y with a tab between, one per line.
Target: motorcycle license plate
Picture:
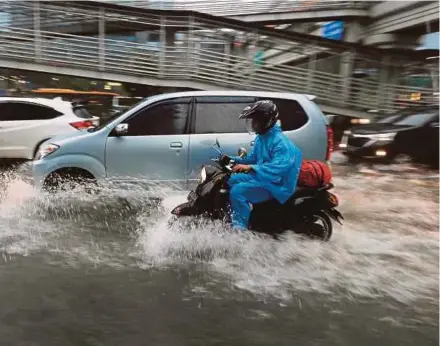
192	196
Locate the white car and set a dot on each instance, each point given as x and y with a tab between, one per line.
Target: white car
25	123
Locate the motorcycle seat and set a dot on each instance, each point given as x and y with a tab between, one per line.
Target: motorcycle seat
307	191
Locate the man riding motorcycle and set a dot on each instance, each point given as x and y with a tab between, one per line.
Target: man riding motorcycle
269	171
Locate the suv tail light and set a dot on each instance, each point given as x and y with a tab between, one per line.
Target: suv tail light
329	143
82	125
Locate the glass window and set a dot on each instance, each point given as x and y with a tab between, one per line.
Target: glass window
388	120
26	111
220	115
292	115
81	112
415	119
5	111
168	118
114	114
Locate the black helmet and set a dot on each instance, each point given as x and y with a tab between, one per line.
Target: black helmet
260	116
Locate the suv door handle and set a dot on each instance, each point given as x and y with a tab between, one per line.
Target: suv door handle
176	145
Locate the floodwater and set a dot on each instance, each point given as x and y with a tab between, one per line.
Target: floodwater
109	269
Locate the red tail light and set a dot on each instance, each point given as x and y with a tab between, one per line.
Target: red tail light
82	125
329	143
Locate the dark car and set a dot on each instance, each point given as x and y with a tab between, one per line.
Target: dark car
407	135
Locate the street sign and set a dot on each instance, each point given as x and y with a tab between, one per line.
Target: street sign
333	30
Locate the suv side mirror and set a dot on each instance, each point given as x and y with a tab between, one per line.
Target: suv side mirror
242	152
121	129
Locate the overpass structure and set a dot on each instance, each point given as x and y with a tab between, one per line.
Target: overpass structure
380	23
264	11
72	38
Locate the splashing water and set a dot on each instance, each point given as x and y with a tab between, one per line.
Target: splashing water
388	246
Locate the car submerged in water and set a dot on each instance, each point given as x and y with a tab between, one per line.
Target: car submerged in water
409	135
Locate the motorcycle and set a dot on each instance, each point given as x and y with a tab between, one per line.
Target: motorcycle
308	211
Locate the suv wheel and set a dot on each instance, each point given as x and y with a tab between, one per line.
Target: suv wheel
69	179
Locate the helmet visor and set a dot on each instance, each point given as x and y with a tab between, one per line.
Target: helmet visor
252	126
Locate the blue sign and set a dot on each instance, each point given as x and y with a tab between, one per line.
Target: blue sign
333	30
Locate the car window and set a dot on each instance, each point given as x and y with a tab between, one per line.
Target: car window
10	111
168	118
220	114
389	120
107	120
414	119
292	115
81	112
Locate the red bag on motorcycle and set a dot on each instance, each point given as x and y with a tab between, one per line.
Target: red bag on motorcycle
314	174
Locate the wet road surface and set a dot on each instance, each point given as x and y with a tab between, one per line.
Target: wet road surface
80	269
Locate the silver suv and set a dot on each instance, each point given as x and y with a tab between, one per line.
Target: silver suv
166	138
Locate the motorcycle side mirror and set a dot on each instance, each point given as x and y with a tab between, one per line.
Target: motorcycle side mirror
217	144
242	152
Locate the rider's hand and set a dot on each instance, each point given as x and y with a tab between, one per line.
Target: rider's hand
224	160
241	168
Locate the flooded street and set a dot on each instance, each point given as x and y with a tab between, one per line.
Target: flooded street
108	269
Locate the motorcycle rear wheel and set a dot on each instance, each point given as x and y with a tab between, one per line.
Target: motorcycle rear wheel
319	226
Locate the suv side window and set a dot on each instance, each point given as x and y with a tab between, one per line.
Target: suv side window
219	114
166	118
17	111
292	115
5	111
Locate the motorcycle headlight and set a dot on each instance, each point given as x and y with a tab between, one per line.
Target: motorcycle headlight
203	175
45	150
384	136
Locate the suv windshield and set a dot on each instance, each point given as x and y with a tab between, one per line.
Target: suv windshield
389	120
416	119
403	114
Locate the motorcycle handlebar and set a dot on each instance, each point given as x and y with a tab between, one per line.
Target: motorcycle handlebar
227	167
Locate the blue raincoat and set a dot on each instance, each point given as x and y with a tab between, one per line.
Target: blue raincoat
275	163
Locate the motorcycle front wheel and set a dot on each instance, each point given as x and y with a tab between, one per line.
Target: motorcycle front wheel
318	226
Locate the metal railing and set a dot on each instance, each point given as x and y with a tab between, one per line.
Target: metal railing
244	7
189	65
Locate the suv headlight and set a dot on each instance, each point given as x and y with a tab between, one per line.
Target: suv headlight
203	175
45	150
384	136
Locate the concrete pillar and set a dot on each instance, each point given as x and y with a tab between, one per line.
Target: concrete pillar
227	59
311	70
393	81
170	35
101	29
37	30
251	51
346	73
191	57
384	77
163	49
353	32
